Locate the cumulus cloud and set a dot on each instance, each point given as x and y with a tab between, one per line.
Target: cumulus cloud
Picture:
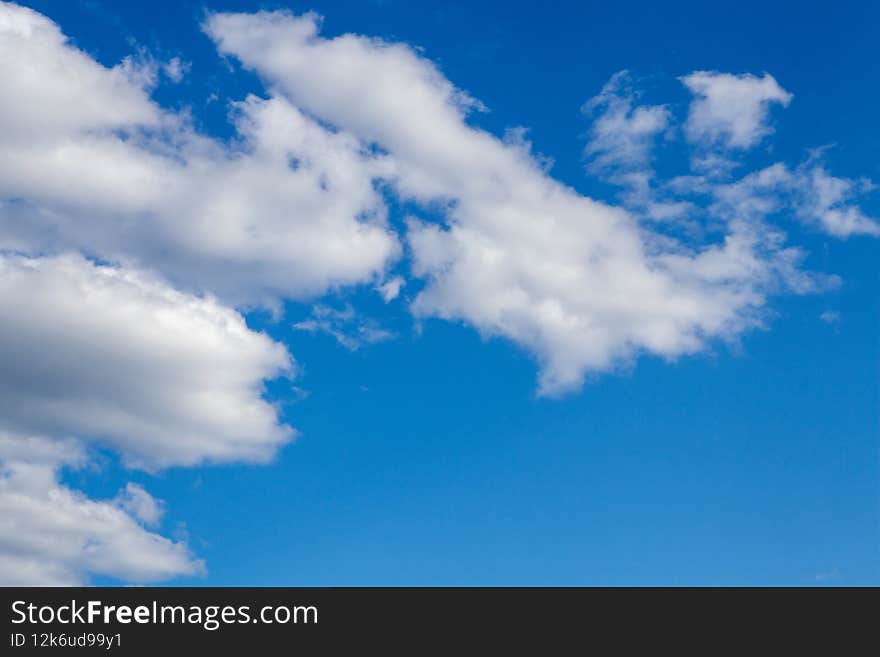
163	377
577	282
114	357
731	111
52	89
54	536
289	209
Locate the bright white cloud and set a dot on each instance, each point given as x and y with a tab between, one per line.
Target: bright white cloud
622	133
114	355
731	110
577	282
812	195
52	535
289	209
117	356
383	93
50	89
619	148
828	202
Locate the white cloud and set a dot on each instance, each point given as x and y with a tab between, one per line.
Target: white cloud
622	133
381	92
391	288
826	202
39	450
176	69
731	110
288	209
117	356
578	283
51	535
619	147
349	330
138	503
51	89
114	355
812	195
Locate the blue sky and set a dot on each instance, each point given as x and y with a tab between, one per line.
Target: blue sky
441	444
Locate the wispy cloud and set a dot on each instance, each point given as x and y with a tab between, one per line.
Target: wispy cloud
349	330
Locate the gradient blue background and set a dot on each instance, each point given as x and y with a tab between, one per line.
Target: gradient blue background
428	460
